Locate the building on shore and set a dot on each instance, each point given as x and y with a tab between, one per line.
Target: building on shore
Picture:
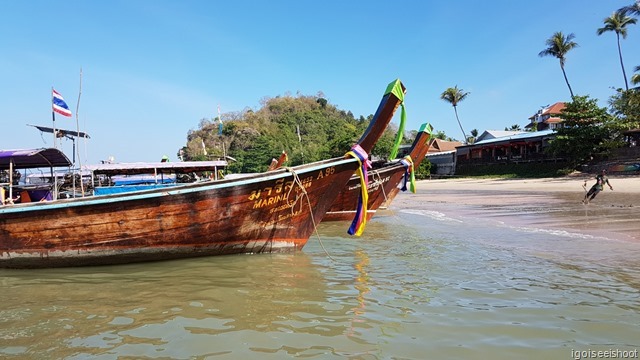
517	148
442	154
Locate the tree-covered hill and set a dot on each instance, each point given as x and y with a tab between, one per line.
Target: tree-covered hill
307	128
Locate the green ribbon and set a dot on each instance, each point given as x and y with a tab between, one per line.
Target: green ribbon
395	88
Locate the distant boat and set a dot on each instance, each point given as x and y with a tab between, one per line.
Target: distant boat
11	191
113	178
275	211
383	183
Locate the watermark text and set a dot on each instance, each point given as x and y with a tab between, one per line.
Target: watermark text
604	354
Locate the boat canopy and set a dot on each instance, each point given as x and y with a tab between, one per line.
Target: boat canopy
62	132
138	168
33	158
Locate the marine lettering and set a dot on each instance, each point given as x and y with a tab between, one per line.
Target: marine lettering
372	185
254	195
289	215
288	185
306	183
280	208
278	186
326	172
277	189
260	203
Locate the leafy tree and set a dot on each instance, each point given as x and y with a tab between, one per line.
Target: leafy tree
261	153
424	170
618	23
558	45
454	96
635	79
322	102
307	128
440	135
384	145
625	105
514	127
588	131
473	137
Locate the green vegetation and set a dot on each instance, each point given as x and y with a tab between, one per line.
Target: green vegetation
513	171
587	131
424	170
618	23
558	45
635	79
307	128
454	96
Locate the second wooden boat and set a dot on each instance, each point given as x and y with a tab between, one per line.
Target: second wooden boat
384	182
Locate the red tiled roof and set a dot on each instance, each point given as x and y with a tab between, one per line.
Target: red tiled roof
439	145
555	108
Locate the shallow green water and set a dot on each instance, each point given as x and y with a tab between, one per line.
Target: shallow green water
418	285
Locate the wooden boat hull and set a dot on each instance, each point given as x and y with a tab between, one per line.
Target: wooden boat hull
275	211
383	184
186	221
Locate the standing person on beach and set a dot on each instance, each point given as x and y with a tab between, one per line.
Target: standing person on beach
601	179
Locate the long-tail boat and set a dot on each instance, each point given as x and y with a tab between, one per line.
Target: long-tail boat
382	186
275	211
11	161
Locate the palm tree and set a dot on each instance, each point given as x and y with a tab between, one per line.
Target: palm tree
633	9
454	96
635	79
474	136
514	127
558	46
618	22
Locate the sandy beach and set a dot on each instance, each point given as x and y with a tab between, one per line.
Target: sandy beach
547	203
621	184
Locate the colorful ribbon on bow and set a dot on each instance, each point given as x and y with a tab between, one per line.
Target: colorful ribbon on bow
409	174
360	220
396	89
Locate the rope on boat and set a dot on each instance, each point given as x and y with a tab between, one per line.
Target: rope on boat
297	181
379	181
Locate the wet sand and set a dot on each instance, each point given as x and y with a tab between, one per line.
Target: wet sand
550	204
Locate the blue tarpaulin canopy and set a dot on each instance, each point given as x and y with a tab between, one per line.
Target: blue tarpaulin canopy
33	158
181	167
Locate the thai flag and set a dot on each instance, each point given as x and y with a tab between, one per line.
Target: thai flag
59	105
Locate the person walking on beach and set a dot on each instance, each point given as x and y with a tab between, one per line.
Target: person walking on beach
601	179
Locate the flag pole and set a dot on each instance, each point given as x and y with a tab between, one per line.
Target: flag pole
53	174
220	121
224	150
53	115
75	147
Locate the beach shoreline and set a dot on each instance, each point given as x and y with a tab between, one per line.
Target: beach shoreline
620	183
545	203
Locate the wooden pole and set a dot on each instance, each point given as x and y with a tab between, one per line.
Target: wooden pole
53	115
75	147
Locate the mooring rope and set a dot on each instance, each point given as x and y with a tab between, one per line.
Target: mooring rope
297	181
379	181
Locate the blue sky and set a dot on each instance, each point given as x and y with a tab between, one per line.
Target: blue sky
152	69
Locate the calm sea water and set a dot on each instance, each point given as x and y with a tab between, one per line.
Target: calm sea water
418	284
